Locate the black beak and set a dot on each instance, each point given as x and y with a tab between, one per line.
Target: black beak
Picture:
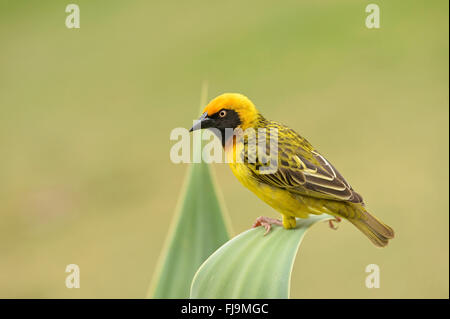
203	122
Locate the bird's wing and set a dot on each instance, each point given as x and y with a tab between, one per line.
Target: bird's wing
303	171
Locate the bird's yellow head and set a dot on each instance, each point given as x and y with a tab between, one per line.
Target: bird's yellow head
229	110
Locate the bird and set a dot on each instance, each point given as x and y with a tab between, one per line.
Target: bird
303	182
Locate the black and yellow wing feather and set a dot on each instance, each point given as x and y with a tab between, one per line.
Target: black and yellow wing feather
301	169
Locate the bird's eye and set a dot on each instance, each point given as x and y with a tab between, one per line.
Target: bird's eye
222	113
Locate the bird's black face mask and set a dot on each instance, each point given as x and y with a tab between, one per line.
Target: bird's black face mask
221	120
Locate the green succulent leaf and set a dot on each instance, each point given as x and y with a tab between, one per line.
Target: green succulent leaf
199	229
252	265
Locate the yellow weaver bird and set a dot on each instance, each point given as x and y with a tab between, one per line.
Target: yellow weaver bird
304	182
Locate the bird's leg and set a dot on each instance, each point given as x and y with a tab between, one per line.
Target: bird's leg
336	219
267	222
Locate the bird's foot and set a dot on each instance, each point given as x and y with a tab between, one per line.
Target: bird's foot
337	220
267	222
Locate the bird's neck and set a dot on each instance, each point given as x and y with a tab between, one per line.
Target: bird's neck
227	139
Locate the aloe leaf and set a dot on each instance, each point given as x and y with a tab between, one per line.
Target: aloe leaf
200	228
252	265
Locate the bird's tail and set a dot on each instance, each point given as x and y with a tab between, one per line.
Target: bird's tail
378	232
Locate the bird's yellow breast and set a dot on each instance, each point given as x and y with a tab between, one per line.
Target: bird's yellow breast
282	201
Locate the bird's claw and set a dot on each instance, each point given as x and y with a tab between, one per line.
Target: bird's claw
267	223
337	220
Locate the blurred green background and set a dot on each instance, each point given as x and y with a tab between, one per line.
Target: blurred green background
85	118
